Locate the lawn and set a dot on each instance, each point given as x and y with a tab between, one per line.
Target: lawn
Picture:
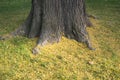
68	59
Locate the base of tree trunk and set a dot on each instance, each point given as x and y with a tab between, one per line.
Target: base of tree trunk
51	19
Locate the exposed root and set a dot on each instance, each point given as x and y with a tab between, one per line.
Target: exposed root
89	45
5	37
36	50
92	16
17	32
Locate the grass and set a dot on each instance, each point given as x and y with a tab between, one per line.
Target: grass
68	59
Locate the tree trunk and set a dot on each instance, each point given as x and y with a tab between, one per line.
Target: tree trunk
50	19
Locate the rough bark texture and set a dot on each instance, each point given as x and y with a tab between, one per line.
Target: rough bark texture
50	19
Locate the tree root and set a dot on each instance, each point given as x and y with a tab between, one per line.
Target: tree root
92	16
36	50
89	45
5	37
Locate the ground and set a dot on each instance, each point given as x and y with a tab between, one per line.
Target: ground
68	59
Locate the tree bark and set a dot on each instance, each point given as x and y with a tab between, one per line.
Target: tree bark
50	19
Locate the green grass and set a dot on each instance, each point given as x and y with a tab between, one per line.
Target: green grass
62	61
